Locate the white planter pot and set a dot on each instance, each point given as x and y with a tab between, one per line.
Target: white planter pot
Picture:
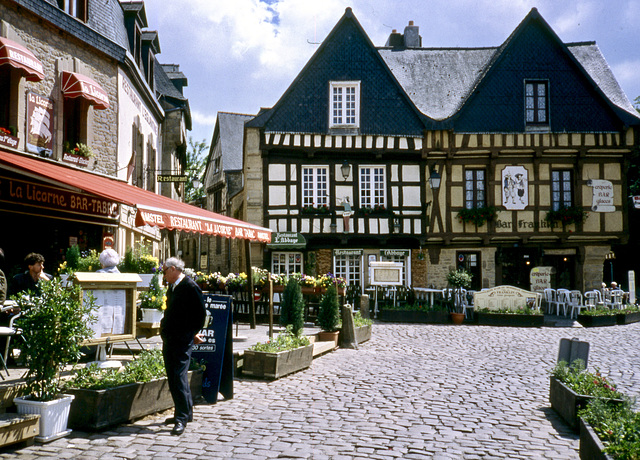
54	416
146	279
151	315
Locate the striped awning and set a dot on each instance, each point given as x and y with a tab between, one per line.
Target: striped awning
19	57
78	85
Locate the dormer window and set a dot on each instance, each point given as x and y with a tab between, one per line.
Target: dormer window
344	104
536	103
76	8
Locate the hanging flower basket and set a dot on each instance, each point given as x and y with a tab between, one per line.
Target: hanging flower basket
477	216
568	215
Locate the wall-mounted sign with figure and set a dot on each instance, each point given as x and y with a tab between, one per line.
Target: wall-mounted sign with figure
515	187
346	214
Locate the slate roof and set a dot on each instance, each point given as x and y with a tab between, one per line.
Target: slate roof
231	132
167	90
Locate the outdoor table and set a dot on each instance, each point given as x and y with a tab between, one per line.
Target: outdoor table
422	292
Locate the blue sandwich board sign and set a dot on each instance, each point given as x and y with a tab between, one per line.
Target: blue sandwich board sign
216	352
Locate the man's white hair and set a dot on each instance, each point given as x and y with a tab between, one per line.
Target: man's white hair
174	262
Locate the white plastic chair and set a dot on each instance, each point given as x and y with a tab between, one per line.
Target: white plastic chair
550	299
563	300
613	299
8	332
462	302
575	302
592	299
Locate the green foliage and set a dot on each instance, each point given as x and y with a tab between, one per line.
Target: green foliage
287	340
479	215
139	260
459	278
329	310
149	365
600	311
155	297
292	307
585	383
73	257
359	321
568	215
89	261
54	325
617	426
195	166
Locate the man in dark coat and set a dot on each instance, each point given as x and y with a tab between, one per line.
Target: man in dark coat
28	281
183	320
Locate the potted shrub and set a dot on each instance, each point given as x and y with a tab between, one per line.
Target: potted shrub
571	387
292	307
153	302
459	279
287	353
329	316
54	325
107	397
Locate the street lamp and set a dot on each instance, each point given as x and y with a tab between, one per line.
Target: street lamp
434	179
345	169
196	183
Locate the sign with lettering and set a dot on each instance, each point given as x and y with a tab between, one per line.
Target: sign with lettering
636	202
505	298
7	139
348	252
45	196
289	240
171	178
515	187
386	273
540	278
216	352
40	117
602	195
395	252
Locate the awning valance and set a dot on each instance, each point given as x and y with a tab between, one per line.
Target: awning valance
152	209
78	85
19	57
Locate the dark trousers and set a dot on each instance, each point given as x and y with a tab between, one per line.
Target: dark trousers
176	362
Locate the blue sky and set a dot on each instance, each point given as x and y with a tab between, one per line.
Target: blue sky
240	56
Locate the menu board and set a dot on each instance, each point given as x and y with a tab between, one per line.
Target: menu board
111	312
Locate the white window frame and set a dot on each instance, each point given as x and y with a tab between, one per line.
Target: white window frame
536	112
373	185
315	186
349	267
344	109
284	259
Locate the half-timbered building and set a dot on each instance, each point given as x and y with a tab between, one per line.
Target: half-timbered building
496	159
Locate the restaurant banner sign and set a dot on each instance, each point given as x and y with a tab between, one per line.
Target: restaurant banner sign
287	240
39	124
44	196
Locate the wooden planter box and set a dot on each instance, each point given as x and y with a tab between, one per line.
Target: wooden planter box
597	321
591	448
414	316
93	410
276	365
498	319
566	402
628	318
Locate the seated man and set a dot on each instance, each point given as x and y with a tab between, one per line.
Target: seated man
28	281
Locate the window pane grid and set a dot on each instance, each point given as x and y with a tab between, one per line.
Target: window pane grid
561	189
344	104
372	186
315	185
474	188
348	267
536	102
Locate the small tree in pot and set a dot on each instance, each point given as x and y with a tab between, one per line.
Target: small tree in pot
329	315
292	307
458	279
53	324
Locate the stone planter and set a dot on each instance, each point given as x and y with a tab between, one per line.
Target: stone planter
628	318
414	316
326	336
597	321
151	315
53	415
276	365
363	333
566	402
499	319
98	409
591	448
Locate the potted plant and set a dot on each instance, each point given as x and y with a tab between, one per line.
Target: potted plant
329	316
289	352
78	155
139	260
458	279
153	302
54	325
609	431
567	215
571	387
292	307
107	397
478	215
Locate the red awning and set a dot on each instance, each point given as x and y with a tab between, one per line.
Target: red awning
78	85
21	58
155	210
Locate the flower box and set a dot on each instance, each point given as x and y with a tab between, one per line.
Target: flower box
509	320
308	290
276	365
597	321
566	402
591	448
151	315
628	318
77	160
94	410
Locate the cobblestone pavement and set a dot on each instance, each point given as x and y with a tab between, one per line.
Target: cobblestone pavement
412	392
